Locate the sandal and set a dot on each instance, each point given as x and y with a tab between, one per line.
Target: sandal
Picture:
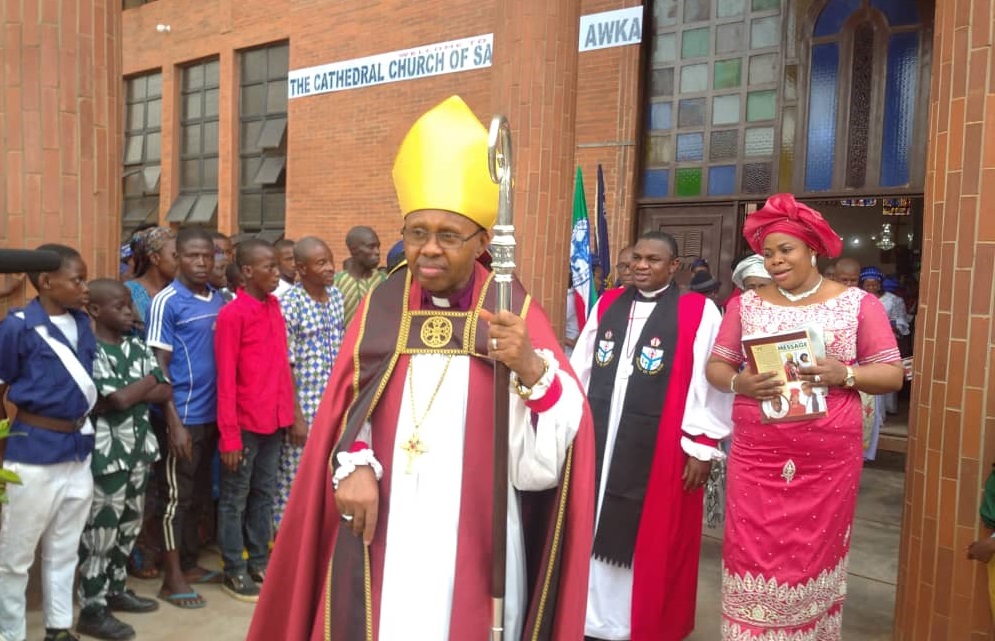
201	576
184	600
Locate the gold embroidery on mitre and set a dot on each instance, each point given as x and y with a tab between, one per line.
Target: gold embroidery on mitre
765	602
442	164
437	331
788	472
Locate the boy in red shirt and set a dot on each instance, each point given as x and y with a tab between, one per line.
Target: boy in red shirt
255	400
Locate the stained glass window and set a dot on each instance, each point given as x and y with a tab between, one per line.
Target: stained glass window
694	78
821	147
725	110
858	129
722	180
879	111
728	74
688	181
660	115
724	145
899	108
694	43
656	183
898	12
765	32
715	67
690	147
730	8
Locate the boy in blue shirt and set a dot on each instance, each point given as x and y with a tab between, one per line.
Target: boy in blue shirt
180	328
47	351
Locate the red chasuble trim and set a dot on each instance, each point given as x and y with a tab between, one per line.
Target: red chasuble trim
702	439
548	399
665	563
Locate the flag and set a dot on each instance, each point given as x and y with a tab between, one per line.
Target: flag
603	258
581	274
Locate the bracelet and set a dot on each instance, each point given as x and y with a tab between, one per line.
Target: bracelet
548	373
732	382
349	461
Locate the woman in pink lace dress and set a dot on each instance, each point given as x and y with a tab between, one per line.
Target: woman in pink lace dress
792	487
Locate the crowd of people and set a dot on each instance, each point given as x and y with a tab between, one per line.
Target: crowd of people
341	423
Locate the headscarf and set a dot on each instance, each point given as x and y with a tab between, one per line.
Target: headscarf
152	240
871	273
703	283
752	266
784	215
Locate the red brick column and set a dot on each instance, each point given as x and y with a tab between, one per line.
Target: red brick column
60	115
535	86
943	596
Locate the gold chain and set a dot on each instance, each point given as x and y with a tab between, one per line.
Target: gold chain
411	390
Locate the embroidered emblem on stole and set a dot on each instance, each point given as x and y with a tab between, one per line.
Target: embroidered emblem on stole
606	350
651	358
436	332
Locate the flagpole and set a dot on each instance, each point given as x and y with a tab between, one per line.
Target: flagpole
503	265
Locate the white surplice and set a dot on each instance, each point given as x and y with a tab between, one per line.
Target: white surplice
707	412
423	522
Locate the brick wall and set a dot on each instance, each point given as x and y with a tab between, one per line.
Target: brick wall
607	126
60	118
341	145
943	596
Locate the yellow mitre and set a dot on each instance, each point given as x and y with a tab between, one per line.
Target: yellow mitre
442	164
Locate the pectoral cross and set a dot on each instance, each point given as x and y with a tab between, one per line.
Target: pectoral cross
413	447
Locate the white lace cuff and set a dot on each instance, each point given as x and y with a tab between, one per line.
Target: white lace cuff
349	461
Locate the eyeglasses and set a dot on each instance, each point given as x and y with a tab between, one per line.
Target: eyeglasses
447	240
623	267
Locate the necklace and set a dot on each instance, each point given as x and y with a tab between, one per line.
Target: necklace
794	298
415	446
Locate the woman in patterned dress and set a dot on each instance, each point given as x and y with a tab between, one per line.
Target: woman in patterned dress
792	487
314	312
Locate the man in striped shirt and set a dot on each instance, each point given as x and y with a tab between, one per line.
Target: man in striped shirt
181	325
361	275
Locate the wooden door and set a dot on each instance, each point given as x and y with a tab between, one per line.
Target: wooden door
701	231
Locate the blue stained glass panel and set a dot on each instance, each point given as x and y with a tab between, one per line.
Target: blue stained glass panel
899	108
833	16
821	144
656	183
690	147
661	115
898	12
722	180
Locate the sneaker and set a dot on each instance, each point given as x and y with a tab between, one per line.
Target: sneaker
60	634
128	601
241	587
257	575
100	624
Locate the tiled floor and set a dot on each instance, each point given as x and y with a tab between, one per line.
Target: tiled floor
867	617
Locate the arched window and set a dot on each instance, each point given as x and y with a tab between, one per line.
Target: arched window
862	95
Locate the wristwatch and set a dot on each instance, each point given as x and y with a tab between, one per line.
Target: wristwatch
850	382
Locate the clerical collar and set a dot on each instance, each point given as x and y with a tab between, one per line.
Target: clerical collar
650	297
461	301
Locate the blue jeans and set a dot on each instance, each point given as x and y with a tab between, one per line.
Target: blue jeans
247	500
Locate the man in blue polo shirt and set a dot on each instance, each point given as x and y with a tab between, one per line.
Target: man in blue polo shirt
47	351
181	326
